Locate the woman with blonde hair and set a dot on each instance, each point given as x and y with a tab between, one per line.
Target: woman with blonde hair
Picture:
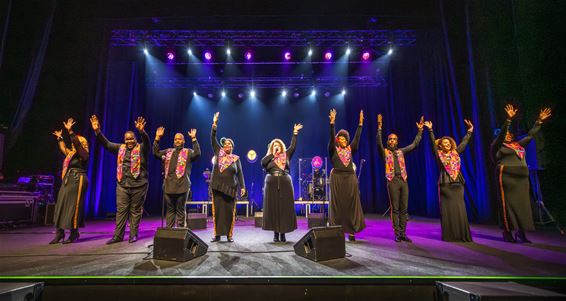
69	209
278	195
453	217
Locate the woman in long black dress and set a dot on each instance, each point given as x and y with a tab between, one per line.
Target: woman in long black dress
513	177
278	195
453	217
227	176
69	209
345	205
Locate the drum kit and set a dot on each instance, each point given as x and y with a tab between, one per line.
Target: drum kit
313	179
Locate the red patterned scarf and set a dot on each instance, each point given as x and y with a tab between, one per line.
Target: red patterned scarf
451	162
390	164
181	161
519	150
225	160
135	162
66	162
345	154
281	160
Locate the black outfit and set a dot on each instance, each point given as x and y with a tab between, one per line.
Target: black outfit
69	209
513	181
278	194
345	204
453	216
397	187
176	189
130	191
224	186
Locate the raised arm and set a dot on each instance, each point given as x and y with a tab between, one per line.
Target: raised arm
60	142
213	141
332	142
109	146
417	139
356	141
379	137
140	126
428	125
498	141
157	152
195	154
462	146
293	146
543	115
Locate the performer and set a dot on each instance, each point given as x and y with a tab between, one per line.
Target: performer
279	198
227	176
453	217
345	205
131	177
513	177
69	209
396	175
177	163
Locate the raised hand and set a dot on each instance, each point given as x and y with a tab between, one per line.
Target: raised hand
215	118
544	114
193	134
361	117
332	116
58	134
159	132
428	124
420	124
510	110
469	125
379	121
140	124
95	123
297	127
69	124
242	192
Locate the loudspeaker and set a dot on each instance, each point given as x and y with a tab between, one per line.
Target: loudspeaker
29	291
454	291
258	219
322	243
196	221
315	220
177	244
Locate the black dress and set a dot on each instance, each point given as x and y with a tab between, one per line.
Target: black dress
224	186
513	181
345	204
278	194
69	209
453	216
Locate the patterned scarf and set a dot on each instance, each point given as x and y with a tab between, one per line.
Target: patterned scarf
66	162
135	162
451	162
519	150
181	161
345	154
281	160
390	164
226	160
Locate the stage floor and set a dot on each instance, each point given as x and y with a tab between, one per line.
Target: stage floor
25	252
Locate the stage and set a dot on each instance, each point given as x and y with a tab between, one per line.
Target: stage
26	252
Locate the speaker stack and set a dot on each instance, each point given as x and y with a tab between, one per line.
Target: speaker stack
177	244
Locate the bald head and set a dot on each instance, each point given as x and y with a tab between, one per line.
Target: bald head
179	140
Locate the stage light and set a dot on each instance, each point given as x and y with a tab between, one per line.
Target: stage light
170	55
287	56
348	51
284	93
366	55
343	91
327	94
223	93
145	51
252	93
240	95
328	56
210	95
194	93
208	56
228	52
310	51
313	92
248	55
189	51
390	51
296	94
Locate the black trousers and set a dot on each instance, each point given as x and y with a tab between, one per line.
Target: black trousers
398	191
129	206
176	209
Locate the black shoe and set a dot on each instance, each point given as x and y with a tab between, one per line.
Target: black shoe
507	237
276	237
397	238
229	239
521	236
114	240
405	238
215	239
133	239
351	237
282	237
73	237
59	236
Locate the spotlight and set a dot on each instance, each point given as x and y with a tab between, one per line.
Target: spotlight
252	93
210	95
190	51
287	56
170	55
248	55
296	94
228	52
348	51
327	94
284	93
328	56
366	55
310	51
194	93
343	91
145	51
223	93
240	95
208	56
313	92
390	51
